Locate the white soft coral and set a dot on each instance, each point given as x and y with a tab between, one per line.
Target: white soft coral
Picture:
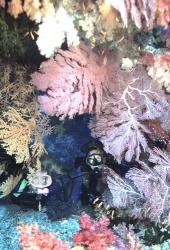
53	32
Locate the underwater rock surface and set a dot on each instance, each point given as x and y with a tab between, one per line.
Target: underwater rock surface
12	215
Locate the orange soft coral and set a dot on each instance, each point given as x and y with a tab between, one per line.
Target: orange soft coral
32	238
94	235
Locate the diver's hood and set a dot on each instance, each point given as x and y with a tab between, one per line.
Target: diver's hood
91	145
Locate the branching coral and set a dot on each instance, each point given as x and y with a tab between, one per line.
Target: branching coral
94	234
71	82
31	237
133	193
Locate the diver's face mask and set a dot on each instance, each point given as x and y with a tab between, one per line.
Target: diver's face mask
40	183
94	159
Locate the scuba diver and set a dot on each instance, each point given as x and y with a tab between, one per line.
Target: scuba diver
53	189
32	193
93	165
58	190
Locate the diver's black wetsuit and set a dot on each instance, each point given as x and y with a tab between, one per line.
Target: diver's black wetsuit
63	193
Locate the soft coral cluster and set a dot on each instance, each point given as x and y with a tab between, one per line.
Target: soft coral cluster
94	235
32	238
158	68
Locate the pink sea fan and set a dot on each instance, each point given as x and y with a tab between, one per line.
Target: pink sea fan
71	82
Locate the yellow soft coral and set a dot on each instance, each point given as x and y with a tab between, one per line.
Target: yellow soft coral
17	134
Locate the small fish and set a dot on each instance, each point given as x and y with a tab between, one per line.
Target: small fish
95	201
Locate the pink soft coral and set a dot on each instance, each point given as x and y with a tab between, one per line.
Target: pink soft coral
32	238
72	83
94	235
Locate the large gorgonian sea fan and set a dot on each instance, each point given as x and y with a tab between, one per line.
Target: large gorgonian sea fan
145	192
71	83
132	98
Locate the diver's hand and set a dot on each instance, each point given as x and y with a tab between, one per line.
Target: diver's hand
44	191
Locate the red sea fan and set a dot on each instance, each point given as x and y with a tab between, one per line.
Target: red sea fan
94	234
71	82
32	238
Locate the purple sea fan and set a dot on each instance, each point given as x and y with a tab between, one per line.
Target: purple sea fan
132	98
71	82
143	192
